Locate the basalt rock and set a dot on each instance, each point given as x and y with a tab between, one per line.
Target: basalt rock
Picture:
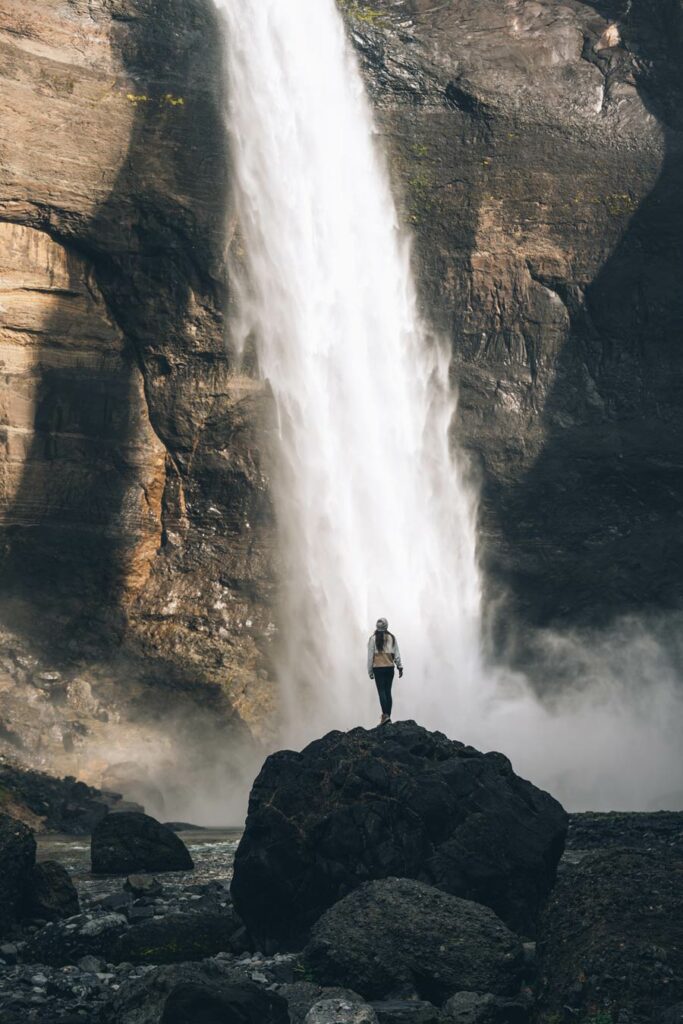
131	842
191	1002
398	932
393	801
51	893
168	993
178	938
612	936
17	859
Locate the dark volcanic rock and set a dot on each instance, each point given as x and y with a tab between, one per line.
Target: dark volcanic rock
301	996
407	1011
399	801
192	1002
142	1000
397	932
51	894
64	805
643	831
130	842
17	859
485	1008
59	945
176	938
612	936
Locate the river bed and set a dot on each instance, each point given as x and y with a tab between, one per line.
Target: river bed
211	849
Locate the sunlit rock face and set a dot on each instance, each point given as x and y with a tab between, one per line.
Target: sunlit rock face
537	147
133	501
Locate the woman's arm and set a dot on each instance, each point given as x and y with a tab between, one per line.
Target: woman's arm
397	656
371	655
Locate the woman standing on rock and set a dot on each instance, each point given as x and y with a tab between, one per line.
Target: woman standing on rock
383	657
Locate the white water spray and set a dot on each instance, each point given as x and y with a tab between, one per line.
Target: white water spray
373	514
375	517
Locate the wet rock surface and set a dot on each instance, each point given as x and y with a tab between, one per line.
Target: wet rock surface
131	841
363	805
400	933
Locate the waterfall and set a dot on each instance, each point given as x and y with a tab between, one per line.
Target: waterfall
373	513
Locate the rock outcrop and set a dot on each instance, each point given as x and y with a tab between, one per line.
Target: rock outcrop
401	801
128	842
400	934
538	148
17	859
612	937
51	894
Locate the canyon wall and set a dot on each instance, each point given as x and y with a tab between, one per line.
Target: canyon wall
536	148
134	514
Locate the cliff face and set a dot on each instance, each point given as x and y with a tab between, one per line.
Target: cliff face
537	150
538	147
132	500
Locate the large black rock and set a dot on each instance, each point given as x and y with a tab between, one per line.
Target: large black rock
129	842
397	932
17	858
400	801
178	938
611	936
206	993
193	1002
51	894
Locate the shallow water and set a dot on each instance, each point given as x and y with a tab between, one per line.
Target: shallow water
212	850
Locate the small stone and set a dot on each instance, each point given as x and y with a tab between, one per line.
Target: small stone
117	901
143	885
9	953
340	1011
90	964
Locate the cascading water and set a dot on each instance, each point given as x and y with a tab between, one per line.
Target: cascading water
373	514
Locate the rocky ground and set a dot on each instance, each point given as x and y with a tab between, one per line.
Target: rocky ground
142	948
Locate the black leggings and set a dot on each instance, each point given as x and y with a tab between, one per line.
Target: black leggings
384	677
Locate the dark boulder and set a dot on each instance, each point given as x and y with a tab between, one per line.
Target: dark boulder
176	938
192	1002
612	936
164	994
61	945
51	893
398	933
338	1010
301	996
485	1008
401	801
407	1011
17	859
130	842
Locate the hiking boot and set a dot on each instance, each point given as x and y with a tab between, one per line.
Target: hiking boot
383	719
